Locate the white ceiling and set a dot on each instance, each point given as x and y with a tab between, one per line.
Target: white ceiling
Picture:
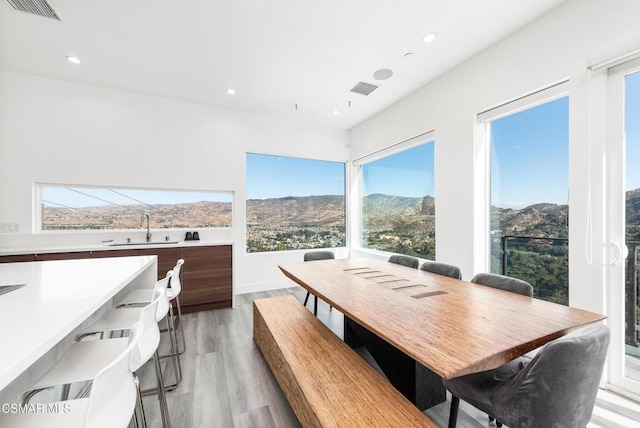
275	54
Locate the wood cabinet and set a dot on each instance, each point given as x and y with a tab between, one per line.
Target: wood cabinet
167	258
114	253
207	273
63	256
18	258
207	278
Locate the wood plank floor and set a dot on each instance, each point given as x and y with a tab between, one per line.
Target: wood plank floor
226	382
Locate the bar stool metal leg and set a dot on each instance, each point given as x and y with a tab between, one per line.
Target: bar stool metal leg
139	413
162	398
173	336
179	306
177	367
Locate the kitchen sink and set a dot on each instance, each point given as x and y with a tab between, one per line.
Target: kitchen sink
124	244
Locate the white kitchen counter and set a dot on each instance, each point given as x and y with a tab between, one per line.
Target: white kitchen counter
57	298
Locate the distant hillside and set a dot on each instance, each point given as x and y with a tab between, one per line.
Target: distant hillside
328	210
197	214
551	220
383	212
543	220
633	215
399	204
325	210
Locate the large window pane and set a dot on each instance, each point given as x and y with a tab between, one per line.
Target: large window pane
294	203
632	226
529	198
398	204
111	208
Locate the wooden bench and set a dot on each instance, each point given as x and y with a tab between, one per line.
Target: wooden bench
326	382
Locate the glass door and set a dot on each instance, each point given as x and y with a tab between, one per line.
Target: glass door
623	227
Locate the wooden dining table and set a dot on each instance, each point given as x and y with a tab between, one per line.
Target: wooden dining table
422	327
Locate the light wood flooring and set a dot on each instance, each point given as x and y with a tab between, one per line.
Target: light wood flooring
226	382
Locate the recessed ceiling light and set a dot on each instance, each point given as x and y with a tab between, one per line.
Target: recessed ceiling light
383	74
336	112
231	91
74	60
430	37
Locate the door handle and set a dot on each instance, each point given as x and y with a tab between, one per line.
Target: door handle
618	253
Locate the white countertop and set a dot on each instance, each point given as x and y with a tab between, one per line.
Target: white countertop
58	296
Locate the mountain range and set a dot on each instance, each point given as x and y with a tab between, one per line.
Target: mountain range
380	211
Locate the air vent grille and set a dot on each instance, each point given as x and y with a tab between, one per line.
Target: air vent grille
34	7
364	88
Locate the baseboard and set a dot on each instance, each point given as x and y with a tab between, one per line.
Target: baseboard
264	286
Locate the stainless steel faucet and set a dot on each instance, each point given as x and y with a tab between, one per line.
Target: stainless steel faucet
148	217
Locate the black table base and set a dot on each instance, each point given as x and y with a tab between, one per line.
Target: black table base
417	383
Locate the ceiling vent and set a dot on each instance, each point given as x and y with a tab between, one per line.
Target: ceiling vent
34	7
364	88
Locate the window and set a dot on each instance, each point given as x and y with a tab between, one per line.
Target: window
398	204
294	203
111	208
529	197
622	226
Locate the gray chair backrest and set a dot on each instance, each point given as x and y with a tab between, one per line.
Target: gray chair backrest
559	386
442	269
318	255
502	282
408	261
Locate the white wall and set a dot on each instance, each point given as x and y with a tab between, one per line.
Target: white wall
61	132
557	46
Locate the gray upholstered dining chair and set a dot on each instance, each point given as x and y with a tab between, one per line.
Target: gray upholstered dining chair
442	269
408	261
309	257
506	283
556	389
503	282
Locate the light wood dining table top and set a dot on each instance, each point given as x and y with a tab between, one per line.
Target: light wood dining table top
450	326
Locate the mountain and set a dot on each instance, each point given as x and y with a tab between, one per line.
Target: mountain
398	213
324	210
382	213
196	214
633	215
540	220
551	220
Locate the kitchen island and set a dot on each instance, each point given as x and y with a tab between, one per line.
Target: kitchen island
40	319
207	275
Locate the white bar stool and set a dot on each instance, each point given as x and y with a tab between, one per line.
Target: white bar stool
110	405
142	296
120	319
83	359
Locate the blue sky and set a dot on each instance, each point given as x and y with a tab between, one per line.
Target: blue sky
530	156
529	165
279	176
632	130
402	174
77	197
408	173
